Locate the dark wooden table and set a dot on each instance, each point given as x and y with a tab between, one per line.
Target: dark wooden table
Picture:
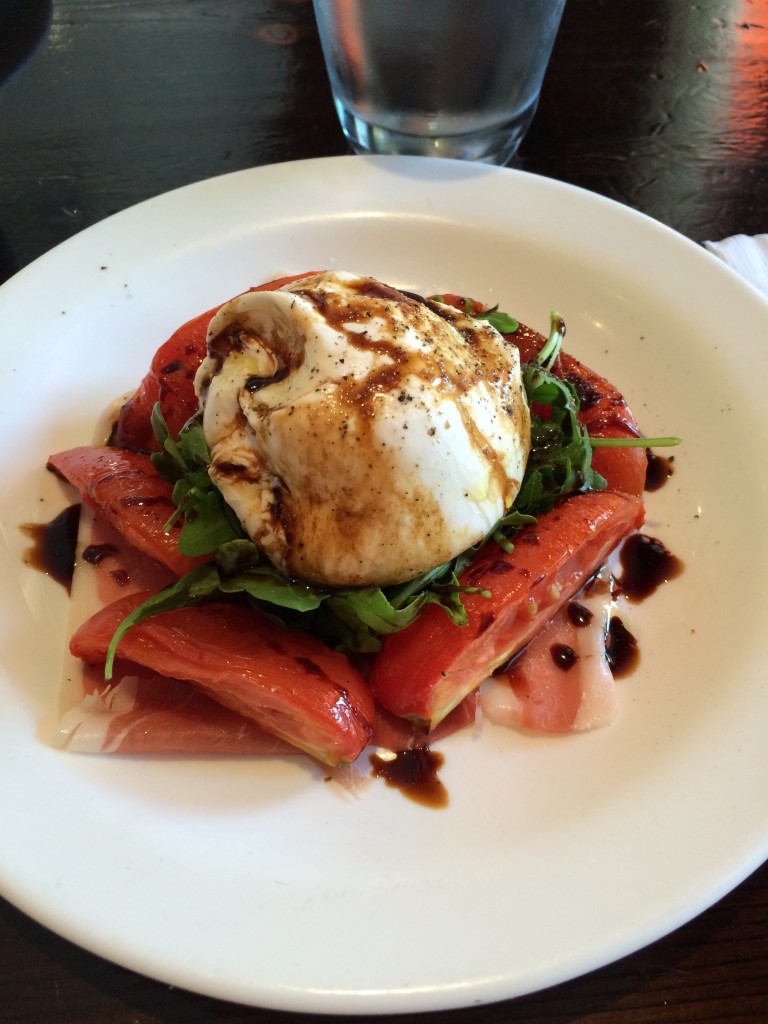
659	104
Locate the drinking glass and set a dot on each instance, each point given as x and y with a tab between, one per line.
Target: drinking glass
448	78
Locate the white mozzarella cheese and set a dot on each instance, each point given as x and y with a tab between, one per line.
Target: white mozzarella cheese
362	436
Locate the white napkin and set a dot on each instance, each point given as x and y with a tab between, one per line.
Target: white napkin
747	254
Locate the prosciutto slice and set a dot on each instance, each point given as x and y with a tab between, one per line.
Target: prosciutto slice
145	713
286	681
562	681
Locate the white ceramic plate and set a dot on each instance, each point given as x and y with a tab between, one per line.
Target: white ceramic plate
256	882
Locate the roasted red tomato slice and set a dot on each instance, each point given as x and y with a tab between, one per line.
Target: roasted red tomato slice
171	379
424	671
292	685
123	486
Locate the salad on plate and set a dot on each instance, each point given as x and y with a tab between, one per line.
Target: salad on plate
336	515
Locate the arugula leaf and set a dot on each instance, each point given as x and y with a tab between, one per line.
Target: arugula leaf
635	442
370	607
208	521
503	322
551	348
236	555
265	583
560	460
359	618
510	524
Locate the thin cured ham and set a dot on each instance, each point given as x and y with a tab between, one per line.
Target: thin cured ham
145	713
562	682
286	681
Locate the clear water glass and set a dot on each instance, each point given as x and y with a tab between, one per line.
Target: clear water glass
448	78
